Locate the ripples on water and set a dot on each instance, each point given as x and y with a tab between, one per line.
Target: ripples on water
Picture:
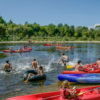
46	57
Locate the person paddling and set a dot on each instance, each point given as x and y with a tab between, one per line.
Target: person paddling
7	66
10	50
64	59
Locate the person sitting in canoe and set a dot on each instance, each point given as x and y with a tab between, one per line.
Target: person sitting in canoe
7	66
19	50
98	63
25	47
64	59
40	70
78	66
66	91
10	49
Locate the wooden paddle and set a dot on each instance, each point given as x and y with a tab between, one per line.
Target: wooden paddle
49	97
81	93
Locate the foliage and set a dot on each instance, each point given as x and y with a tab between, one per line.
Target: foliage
10	31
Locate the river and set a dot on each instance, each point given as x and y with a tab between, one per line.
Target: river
47	57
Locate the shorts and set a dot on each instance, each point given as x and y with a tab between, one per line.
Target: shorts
64	61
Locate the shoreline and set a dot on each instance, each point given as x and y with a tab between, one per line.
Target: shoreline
40	89
36	42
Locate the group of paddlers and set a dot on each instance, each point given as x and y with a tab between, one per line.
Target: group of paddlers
20	49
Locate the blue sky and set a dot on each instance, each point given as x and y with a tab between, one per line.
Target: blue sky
44	12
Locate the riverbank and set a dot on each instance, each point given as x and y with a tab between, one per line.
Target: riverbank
41	89
10	42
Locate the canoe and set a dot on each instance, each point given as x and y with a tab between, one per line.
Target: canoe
85	69
65	47
8	50
80	78
53	44
34	77
47	44
87	93
17	51
80	72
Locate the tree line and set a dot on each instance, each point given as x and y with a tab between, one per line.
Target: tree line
11	31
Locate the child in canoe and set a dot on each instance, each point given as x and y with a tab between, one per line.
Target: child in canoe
67	92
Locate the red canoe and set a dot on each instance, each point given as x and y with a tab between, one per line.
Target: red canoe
87	69
80	72
64	47
53	44
87	93
17	51
47	44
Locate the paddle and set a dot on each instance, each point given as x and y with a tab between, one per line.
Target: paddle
81	93
49	97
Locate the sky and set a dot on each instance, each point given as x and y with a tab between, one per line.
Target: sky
44	12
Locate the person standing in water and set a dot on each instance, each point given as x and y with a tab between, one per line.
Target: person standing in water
98	63
64	59
35	64
7	66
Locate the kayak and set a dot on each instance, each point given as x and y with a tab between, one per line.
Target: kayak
80	78
65	47
17	51
87	93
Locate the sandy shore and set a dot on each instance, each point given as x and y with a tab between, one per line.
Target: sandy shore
5	42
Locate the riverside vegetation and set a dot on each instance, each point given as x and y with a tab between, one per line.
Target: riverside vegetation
9	31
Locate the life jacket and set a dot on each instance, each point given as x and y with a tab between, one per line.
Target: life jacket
64	92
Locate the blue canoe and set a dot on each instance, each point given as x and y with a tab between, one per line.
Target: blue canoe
80	78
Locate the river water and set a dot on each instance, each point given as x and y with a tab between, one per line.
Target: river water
47	57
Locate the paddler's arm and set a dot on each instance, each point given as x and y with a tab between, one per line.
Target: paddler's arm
10	67
60	60
4	67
